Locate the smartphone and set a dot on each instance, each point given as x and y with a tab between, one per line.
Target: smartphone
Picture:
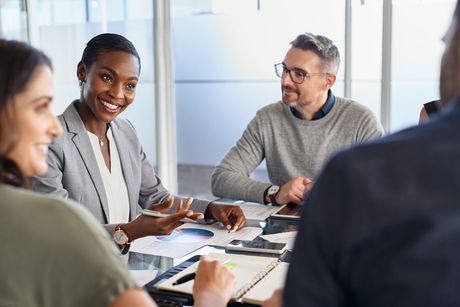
256	246
161	214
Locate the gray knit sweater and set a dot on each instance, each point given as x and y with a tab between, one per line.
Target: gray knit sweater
291	146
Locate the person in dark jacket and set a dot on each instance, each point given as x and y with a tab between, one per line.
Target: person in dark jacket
381	226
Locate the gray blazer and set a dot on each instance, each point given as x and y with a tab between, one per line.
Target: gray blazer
73	171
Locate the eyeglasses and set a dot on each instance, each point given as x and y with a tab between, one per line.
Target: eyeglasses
297	76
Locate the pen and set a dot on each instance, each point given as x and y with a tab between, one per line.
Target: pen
184	279
191	276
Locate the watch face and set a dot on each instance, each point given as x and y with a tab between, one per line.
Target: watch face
120	237
273	190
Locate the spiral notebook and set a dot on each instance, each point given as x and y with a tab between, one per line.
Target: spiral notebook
256	277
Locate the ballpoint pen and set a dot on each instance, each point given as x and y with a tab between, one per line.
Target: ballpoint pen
191	276
184	279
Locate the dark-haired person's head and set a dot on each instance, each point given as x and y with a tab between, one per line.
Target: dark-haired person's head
108	74
449	85
27	124
107	42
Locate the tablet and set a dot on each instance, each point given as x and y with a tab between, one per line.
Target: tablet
289	211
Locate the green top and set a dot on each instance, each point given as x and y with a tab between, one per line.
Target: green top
54	253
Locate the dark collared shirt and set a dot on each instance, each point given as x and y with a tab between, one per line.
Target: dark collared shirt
323	111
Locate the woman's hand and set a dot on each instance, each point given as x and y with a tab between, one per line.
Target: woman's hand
231	216
181	206
213	284
145	225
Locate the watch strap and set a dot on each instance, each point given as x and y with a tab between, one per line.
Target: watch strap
273	198
271	194
265	195
124	248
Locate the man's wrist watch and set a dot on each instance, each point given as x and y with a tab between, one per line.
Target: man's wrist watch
121	238
272	192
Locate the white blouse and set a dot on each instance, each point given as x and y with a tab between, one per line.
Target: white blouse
114	182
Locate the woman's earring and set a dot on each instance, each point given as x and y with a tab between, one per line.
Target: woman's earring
81	82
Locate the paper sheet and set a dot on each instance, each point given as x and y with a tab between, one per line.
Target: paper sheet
153	246
252	211
190	237
257	212
264	289
222	236
142	277
282	237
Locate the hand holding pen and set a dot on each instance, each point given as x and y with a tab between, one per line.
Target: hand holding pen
191	276
184	279
213	283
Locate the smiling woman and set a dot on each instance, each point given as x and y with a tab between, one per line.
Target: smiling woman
107	89
38	125
27	124
99	160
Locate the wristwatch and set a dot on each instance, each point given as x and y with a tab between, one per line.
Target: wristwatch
121	238
272	192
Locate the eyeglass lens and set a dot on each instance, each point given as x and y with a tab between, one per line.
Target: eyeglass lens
296	76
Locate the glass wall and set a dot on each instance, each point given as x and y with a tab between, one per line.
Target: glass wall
224	51
366	53
13	19
224	57
66	25
418	27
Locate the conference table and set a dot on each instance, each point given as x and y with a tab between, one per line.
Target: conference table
272	225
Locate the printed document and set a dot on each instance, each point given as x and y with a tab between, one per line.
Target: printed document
190	237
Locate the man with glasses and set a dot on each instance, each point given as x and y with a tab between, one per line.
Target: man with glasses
298	134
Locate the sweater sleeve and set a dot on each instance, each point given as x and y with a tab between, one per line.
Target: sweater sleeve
231	178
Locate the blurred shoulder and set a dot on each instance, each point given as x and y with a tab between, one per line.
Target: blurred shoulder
28	207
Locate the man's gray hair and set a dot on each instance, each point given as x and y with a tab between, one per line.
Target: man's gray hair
322	47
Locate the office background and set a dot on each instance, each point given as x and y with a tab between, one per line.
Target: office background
223	53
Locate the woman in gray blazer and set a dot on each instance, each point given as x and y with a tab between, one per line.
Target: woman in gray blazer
42	234
99	161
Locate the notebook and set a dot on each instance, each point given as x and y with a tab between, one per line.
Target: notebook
264	289
256	277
